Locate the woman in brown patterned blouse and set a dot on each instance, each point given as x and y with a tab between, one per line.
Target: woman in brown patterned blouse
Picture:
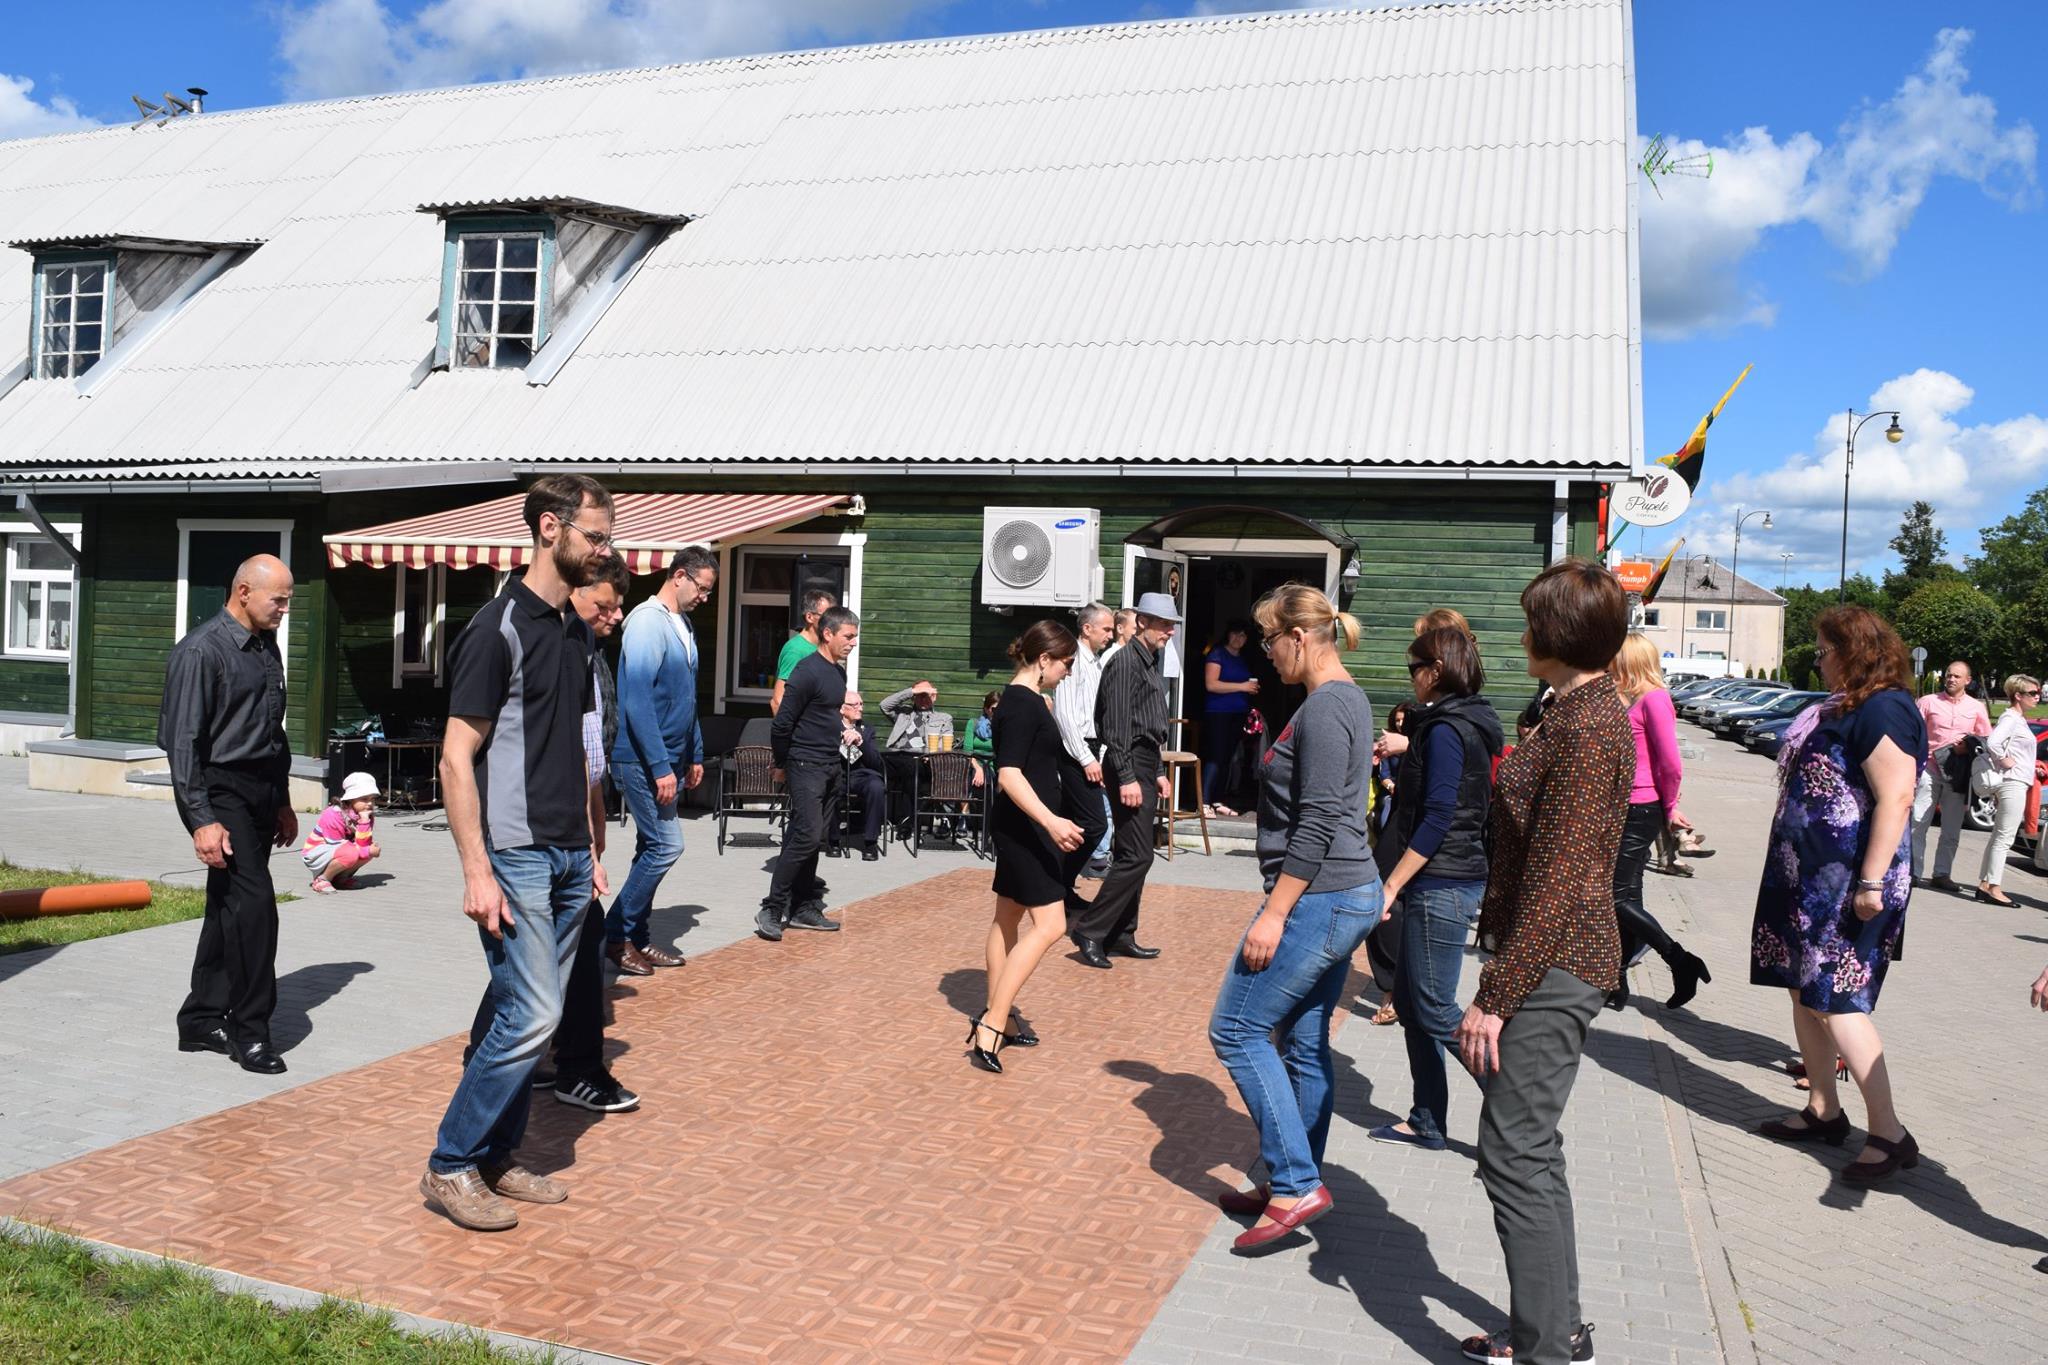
1548	920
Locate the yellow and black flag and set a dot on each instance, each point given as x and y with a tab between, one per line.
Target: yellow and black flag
1657	579
1689	459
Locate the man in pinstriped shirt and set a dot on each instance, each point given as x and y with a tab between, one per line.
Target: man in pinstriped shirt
1086	800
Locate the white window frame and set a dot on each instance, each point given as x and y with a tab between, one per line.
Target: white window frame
43	355
1710	613
435	634
853	542
538	303
1653	618
12	530
1179	548
187	525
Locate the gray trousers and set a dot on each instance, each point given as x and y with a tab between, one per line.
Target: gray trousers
1521	1161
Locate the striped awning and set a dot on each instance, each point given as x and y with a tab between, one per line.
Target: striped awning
647	529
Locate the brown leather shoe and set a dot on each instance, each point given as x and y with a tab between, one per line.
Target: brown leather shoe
629	960
467	1201
513	1181
661	957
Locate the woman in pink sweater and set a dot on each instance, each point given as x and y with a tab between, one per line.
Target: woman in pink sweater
1653	808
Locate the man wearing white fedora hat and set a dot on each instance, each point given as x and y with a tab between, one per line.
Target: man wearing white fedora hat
1131	711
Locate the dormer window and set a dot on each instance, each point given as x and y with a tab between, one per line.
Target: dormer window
500	308
71	316
524	280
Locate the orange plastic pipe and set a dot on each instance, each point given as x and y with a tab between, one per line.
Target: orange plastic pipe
73	900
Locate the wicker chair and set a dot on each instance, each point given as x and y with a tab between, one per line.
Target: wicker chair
946	791
747	789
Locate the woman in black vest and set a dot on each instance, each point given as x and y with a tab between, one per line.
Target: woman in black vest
1432	856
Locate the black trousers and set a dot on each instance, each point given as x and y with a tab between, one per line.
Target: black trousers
234	967
904	774
868	786
795	882
1113	916
1081	802
1639	928
579	1038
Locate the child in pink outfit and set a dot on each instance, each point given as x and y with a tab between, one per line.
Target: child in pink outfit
344	837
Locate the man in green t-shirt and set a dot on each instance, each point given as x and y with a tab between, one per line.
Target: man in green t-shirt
801	645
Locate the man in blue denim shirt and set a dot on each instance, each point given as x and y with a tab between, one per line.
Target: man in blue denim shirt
514	782
659	752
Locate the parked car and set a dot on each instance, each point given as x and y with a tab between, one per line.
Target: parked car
1733	723
1704	712
1981	810
1719	687
1767	737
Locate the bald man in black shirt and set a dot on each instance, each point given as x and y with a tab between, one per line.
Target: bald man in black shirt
222	724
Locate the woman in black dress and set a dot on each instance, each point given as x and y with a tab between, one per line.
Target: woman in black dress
1030	836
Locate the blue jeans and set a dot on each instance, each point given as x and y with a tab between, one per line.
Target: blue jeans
657	843
1289	1087
547	890
1436	922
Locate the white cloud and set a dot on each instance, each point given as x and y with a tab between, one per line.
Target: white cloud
1970	473
23	115
353	47
1860	191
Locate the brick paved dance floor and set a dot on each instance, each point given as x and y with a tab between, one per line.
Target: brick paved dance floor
816	1173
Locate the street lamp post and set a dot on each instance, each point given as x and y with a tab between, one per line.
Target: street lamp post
1785	558
1734	578
1893	433
1685	594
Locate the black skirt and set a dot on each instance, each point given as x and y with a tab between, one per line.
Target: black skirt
1028	739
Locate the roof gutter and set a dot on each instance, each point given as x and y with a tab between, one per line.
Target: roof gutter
27	504
33	487
1117	469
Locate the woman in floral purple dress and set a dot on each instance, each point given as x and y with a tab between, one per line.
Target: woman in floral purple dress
1831	912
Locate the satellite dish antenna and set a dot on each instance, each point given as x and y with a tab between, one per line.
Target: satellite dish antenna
1658	162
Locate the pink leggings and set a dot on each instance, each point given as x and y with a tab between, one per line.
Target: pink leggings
346	860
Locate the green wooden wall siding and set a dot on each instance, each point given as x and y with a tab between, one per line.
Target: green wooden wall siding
34	685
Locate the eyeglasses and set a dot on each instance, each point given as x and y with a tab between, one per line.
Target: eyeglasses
1822	651
1417	665
1266	641
704	589
598	539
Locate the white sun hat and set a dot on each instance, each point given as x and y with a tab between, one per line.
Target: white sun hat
356	786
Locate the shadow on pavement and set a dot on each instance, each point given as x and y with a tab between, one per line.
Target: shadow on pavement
301	992
1930	1188
1195	1122
667	924
19	960
1354	1249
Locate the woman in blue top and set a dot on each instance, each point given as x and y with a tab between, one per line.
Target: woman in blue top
1432	856
1831	911
1229	687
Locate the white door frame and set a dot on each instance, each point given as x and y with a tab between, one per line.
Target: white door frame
187	525
855	543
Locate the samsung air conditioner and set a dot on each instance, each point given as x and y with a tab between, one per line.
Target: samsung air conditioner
1040	556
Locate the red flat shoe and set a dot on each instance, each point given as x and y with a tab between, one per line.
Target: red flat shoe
1304	1212
1245	1201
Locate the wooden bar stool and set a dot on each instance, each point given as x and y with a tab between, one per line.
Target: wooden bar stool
1172	762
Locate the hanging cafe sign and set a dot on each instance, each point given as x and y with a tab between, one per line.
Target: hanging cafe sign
1657	499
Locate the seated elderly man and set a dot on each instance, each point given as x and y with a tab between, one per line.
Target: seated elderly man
864	779
916	727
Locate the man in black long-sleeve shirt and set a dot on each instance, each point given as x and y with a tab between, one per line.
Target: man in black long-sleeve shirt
1130	722
804	738
222	724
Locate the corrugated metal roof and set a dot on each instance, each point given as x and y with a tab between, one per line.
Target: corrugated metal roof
1367	237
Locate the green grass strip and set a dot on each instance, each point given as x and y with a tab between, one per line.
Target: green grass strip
61	1303
168	905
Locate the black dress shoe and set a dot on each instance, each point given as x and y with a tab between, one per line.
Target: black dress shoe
1091	953
871	854
1812	1129
1128	947
834	851
257	1057
214	1039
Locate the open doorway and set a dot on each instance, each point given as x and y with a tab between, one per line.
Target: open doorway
1221	589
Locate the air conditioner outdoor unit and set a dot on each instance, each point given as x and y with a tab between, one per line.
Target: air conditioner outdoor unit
1040	556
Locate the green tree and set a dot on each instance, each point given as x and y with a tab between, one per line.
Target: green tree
2026	631
1922	548
2014	557
1804	605
1799	666
1953	620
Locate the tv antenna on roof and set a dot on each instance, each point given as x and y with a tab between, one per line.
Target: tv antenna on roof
1659	161
171	108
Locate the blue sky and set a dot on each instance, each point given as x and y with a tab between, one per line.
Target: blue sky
1873	235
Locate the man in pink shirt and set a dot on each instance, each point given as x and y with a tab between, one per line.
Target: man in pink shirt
1950	714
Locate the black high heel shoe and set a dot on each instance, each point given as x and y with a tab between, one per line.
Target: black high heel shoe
1687	972
985	1057
1023	1036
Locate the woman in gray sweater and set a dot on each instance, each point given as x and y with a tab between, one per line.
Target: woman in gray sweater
1322	898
